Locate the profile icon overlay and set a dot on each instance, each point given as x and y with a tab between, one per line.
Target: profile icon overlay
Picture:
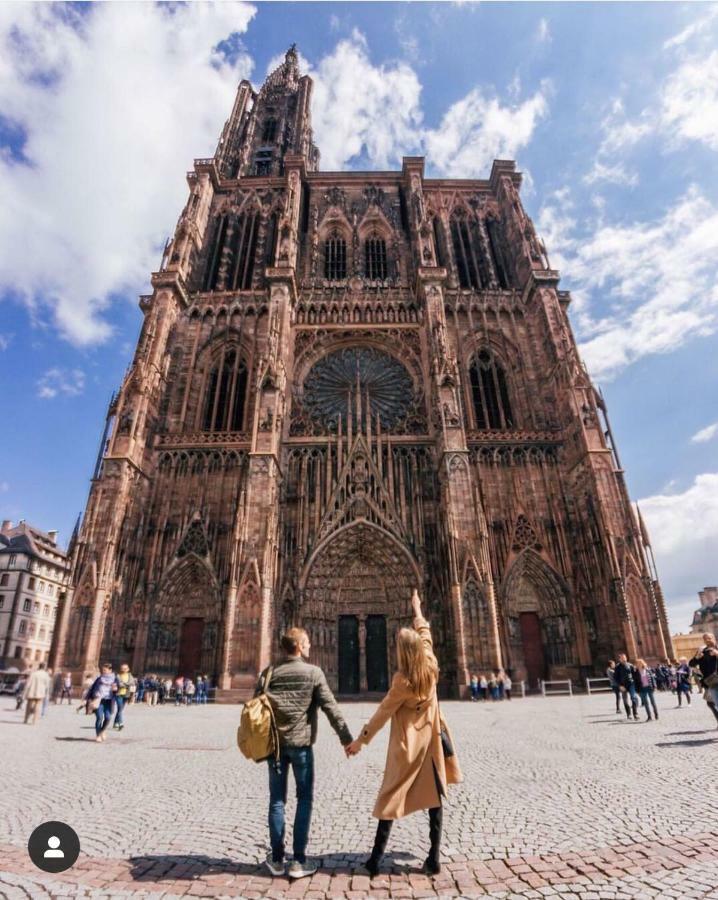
53	846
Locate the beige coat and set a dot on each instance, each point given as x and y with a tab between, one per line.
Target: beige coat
38	685
416	772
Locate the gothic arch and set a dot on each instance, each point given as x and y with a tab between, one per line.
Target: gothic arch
360	570
80	619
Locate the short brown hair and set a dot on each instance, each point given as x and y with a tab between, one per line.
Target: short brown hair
291	640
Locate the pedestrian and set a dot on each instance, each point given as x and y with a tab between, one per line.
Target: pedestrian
101	697
57	685
200	686
421	760
615	687
179	685
646	682
296	689
46	698
625	678
683	680
474	687
66	688
494	686
189	692
167	685
207	688
125	683
151	690
18	691
707	661
508	684
35	692
483	687
140	695
500	676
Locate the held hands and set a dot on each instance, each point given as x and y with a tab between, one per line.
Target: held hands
352	749
416	604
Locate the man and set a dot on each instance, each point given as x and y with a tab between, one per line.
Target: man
615	687
125	682
36	690
707	661
625	677
66	688
295	690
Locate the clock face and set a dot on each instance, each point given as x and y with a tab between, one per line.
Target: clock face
331	385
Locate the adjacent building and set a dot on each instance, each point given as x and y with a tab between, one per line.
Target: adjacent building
33	577
348	384
705	617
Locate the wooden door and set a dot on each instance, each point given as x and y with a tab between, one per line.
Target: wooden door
190	647
348	653
532	645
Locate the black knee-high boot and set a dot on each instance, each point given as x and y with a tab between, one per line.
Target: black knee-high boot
380	841
432	865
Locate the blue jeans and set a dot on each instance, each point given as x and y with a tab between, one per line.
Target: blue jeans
103	714
120	701
646	698
301	760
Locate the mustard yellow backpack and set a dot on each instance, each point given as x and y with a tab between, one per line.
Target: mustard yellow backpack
257	735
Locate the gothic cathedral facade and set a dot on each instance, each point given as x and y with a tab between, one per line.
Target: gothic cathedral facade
348	384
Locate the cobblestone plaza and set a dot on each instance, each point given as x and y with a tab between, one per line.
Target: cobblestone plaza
562	797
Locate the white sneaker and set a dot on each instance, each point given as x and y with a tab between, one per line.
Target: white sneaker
276	868
301	870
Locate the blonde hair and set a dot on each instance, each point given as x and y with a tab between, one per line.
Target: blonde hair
641	664
417	664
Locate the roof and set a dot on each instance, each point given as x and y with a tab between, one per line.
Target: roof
31	541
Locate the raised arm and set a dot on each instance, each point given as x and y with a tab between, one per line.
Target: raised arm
420	623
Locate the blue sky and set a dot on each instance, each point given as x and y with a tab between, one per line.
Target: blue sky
611	111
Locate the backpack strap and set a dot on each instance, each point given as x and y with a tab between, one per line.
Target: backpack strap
266	678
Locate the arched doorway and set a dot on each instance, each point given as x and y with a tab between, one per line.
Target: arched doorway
183	633
356	592
540	634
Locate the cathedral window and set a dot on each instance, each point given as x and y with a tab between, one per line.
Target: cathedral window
263	162
335	258
375	258
489	393
269	134
493	229
216	243
243	248
467	262
225	395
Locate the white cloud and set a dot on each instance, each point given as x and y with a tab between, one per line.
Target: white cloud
615	173
705	434
543	32
5	341
689	102
111	98
683	529
68	382
657	281
360	108
478	129
692	30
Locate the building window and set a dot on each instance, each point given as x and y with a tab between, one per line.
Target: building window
216	243
335	258
31	629
28	653
2	600
42	634
31	584
226	393
243	246
263	162
38	655
4	579
36	607
51	590
46	610
489	393
42	587
18	652
27	604
375	258
13	558
493	229
22	626
467	255
269	135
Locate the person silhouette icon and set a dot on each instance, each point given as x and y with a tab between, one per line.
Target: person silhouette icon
54	852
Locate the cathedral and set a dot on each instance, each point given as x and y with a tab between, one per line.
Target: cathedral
348	384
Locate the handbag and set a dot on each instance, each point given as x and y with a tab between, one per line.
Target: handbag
711	681
446	745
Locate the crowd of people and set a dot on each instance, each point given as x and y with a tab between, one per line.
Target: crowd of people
494	686
635	684
106	695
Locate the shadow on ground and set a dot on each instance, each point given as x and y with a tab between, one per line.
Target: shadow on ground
167	867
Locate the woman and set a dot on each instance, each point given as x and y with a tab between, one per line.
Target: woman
683	680
102	696
646	686
417	770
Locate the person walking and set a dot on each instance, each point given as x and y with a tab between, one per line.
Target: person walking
420	758
646	682
179	685
19	690
614	685
707	661
625	678
683	680
46	698
35	692
125	683
483	687
66	688
189	691
296	690
102	695
474	687
508	685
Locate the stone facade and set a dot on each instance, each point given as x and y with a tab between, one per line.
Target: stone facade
348	384
33	578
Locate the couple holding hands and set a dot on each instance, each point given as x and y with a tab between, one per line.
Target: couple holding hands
420	760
